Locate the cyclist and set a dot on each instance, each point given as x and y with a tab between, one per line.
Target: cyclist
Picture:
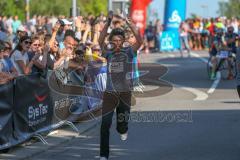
217	44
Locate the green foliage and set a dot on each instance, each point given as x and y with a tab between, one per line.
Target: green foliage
193	15
92	6
230	8
12	7
51	7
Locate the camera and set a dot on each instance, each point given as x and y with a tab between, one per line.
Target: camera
61	22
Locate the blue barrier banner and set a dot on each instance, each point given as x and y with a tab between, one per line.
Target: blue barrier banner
175	13
169	41
6	112
28	106
32	105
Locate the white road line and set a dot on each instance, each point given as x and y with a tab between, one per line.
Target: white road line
53	133
218	77
171	56
215	83
200	95
198	56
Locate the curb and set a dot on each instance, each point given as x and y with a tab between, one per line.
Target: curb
60	136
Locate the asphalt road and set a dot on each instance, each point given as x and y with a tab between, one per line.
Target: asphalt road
196	119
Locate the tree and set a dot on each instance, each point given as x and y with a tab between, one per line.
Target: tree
13	7
230	8
62	7
51	7
93	6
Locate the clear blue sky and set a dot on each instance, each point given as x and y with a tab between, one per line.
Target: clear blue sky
204	8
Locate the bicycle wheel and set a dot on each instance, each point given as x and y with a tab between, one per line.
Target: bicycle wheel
223	68
209	67
234	67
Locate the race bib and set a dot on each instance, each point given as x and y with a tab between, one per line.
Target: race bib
116	67
223	54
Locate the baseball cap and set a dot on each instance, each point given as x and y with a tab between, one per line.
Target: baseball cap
21	29
66	22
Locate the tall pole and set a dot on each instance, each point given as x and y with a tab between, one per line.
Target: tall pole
27	9
74	12
109	5
74	8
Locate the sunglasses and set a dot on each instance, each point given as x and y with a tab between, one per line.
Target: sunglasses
36	45
27	42
97	50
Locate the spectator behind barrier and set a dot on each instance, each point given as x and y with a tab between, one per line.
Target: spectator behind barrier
7	71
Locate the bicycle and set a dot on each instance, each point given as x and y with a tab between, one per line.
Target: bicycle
224	59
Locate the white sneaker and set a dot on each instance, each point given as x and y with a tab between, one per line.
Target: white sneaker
141	85
103	158
138	89
124	136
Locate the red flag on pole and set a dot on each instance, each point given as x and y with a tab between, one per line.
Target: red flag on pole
139	13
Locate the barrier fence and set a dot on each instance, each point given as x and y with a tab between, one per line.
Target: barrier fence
28	107
32	105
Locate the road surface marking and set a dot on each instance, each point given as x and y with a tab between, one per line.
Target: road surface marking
199	57
172	55
200	95
215	83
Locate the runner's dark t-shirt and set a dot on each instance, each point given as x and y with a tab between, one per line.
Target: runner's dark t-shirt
119	70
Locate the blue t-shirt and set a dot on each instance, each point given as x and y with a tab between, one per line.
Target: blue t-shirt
15	25
7	65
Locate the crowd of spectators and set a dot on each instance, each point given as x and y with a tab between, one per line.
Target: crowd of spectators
42	44
195	33
46	42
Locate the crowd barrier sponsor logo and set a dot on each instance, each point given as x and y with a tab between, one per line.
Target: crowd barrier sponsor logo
174	20
37	114
40	98
169	41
